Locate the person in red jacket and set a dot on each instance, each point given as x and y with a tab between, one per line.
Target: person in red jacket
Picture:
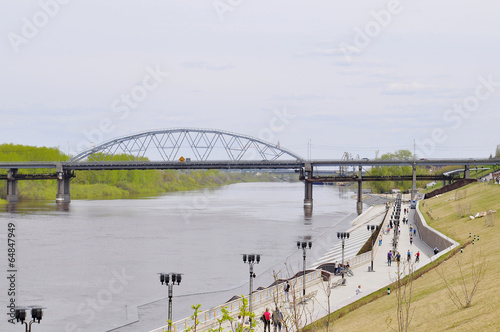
267	320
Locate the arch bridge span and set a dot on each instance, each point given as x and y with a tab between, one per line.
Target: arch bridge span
189	148
201	145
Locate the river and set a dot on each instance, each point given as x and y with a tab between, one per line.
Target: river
93	263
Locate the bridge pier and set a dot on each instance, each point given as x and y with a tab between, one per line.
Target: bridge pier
63	186
467	172
12	192
359	203
308	193
414	182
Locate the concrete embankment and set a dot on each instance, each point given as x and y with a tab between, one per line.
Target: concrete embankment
317	295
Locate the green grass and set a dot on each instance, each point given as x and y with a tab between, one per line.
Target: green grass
433	310
438	185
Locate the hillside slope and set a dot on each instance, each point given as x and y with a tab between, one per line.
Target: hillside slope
433	309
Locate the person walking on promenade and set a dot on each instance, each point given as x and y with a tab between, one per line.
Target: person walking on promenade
398	258
411	240
267	320
417	256
277	320
287	291
380	240
411	230
415	232
389	258
358	290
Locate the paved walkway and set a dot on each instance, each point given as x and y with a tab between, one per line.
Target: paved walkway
358	235
382	276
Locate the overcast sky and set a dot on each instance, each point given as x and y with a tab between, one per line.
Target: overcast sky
356	76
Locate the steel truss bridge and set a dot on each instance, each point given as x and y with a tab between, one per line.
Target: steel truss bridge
189	148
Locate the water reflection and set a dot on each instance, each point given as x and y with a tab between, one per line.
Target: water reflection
62	207
70	255
308	214
11	207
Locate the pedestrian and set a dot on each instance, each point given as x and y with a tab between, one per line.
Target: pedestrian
380	240
358	290
411	229
287	291
398	258
399	230
277	319
267	320
415	231
409	255
389	258
417	256
411	240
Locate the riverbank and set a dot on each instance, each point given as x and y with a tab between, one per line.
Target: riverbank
97	185
431	305
322	296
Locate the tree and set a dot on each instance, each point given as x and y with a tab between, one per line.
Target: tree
463	277
386	186
194	317
227	317
403	289
327	288
297	314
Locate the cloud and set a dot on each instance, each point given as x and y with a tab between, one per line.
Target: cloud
298	96
416	88
205	65
332	51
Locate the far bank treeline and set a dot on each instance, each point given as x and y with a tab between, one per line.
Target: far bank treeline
404	186
114	184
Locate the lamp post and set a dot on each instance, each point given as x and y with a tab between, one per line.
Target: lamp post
251	259
372	228
304	245
36	315
343	236
170	279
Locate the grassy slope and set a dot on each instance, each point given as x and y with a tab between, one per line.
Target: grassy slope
434	311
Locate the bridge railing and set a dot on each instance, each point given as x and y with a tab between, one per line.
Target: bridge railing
210	316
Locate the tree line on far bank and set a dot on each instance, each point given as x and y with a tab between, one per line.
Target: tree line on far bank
116	183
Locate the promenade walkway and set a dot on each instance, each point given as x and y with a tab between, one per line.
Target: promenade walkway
383	275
